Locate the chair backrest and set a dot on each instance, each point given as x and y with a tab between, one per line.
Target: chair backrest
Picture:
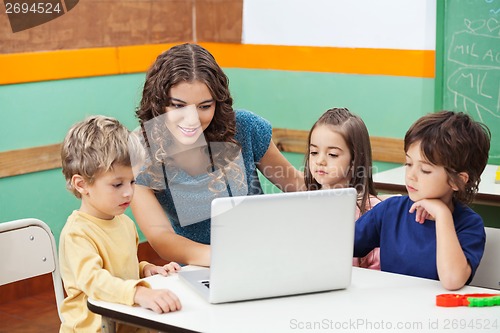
488	272
28	249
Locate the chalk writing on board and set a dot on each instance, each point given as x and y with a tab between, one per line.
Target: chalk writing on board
475	81
495	11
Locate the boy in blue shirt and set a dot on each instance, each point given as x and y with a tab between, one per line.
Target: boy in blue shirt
432	233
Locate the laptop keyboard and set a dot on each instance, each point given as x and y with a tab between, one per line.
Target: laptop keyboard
206	283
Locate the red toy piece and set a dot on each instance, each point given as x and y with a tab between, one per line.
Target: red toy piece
472	300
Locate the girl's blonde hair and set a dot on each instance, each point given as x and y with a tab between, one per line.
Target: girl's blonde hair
353	130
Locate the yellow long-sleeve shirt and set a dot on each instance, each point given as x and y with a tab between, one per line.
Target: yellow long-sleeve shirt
98	259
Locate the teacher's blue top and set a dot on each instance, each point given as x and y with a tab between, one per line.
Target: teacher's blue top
189	196
408	247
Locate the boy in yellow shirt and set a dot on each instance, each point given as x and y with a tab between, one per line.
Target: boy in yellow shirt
98	244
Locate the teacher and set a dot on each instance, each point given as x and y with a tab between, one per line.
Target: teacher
197	148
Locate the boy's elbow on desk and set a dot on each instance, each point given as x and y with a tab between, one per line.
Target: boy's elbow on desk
454	281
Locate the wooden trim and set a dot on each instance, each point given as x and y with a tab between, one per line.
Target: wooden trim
387	149
383	149
22	161
290	140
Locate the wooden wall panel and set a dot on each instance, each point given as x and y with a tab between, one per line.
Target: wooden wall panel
138	22
171	23
22	161
224	22
92	24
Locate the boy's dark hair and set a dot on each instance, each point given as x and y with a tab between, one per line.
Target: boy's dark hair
456	142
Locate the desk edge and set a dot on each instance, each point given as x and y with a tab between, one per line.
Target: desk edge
135	320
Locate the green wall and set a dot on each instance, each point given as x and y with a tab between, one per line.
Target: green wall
387	104
40	113
36	114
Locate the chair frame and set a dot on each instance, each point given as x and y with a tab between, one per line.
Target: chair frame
17	231
488	273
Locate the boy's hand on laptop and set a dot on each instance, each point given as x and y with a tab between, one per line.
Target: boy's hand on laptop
171	267
158	300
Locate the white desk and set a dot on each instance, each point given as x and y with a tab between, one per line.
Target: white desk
375	302
393	181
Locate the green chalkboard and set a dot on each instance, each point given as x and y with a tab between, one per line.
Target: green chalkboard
470	49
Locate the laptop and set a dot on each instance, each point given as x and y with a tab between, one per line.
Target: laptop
278	244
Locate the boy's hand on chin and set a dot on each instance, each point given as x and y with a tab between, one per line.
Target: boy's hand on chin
428	209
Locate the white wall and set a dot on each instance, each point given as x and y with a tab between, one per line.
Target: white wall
385	24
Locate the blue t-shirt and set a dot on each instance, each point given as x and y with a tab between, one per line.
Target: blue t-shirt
408	247
189	196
